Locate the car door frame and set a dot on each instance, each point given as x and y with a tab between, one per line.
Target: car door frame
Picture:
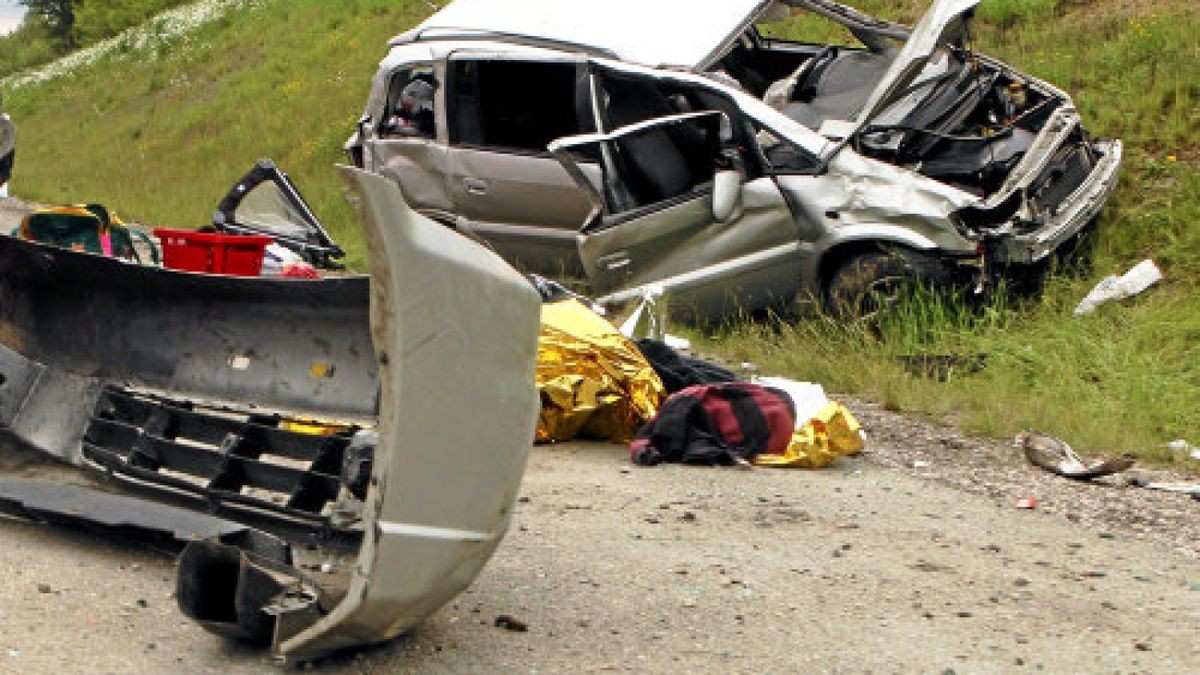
511	179
736	276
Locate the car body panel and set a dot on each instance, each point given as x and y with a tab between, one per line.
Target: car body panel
418	165
458	397
943	23
436	351
678	245
72	322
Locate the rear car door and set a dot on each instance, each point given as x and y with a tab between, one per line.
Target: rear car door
406	145
502	112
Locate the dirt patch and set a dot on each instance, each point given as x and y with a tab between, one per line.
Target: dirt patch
997	470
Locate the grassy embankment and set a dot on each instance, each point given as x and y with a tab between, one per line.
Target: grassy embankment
34	44
160	133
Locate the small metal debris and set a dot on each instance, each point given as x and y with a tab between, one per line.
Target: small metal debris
510	623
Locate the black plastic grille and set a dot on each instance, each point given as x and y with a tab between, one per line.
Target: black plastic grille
225	456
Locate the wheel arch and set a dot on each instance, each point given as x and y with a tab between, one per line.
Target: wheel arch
836	255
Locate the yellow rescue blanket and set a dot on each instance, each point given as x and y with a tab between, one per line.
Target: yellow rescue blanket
594	382
831	433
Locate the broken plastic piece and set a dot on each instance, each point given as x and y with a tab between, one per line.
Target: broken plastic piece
167	528
1055	456
1192	489
1142	276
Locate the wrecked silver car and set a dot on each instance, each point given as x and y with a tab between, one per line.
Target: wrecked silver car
356	448
687	152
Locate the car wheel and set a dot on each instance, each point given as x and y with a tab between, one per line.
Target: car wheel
865	284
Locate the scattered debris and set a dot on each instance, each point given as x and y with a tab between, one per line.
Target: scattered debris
1182	447
649	320
1142	276
511	623
1055	456
1192	489
1028	503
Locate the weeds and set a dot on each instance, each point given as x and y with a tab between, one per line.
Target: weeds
1006	13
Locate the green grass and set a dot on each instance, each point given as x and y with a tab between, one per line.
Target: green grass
161	134
33	45
1007	13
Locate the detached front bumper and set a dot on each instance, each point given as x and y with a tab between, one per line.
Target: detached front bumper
1063	220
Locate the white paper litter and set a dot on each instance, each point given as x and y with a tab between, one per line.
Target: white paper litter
1143	275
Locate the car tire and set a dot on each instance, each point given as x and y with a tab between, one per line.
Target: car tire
865	284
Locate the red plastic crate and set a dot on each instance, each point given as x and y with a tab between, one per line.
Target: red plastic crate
211	253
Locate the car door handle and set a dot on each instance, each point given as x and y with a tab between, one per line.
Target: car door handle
475	186
613	261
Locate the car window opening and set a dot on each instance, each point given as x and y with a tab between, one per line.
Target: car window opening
667	161
411	105
516	105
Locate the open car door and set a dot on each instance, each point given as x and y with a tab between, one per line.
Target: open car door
265	201
677	212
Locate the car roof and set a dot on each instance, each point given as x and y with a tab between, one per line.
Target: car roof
679	33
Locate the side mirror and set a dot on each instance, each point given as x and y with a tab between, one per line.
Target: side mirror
726	195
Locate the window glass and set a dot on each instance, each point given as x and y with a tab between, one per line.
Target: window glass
781	156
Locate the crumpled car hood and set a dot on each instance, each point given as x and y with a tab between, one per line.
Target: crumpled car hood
943	24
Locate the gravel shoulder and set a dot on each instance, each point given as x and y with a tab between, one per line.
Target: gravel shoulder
867	565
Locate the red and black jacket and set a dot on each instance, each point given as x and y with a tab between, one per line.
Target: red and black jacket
716	424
